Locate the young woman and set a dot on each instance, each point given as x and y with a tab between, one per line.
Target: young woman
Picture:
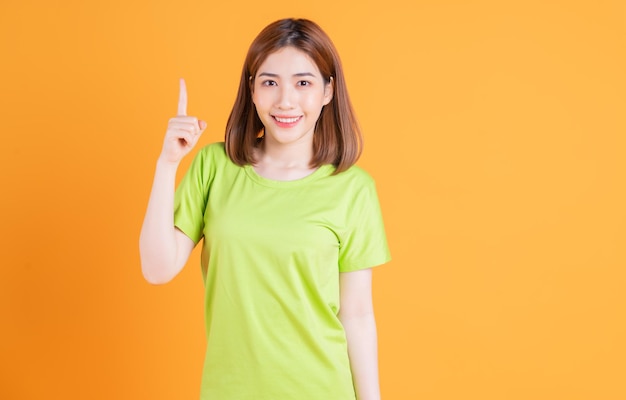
291	228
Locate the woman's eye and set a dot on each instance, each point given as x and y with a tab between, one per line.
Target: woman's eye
304	83
269	83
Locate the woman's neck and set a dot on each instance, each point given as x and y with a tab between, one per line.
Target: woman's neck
292	155
283	162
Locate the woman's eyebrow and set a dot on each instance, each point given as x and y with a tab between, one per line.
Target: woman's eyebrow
299	74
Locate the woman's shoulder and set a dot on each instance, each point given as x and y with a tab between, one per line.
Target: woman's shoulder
215	148
356	174
209	159
355	179
213	153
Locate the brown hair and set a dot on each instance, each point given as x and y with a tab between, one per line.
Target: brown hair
337	138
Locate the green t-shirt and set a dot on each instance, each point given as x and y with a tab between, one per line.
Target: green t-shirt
271	259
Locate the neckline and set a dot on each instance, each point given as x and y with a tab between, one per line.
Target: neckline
320	172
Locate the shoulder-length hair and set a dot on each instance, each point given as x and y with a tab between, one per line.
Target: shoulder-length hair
337	137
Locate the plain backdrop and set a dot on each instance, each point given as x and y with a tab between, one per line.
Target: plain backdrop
495	131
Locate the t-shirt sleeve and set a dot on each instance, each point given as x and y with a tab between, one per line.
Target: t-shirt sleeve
191	196
365	243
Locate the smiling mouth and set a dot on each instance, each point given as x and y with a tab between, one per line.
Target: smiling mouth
285	120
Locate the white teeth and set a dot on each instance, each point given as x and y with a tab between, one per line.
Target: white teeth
287	120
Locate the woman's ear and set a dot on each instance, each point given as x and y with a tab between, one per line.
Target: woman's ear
329	90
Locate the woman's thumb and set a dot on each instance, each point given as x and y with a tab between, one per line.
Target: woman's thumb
202	125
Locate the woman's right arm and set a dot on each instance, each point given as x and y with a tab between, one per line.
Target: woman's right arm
163	248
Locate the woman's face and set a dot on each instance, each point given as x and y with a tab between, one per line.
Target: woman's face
289	93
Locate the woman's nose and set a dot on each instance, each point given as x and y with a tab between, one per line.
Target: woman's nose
286	97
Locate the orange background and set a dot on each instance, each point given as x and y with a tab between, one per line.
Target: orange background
496	133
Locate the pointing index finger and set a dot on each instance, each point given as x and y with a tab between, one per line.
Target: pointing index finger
182	98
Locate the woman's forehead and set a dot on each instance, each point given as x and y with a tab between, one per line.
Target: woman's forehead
288	61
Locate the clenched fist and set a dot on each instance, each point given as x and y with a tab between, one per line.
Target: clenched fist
183	131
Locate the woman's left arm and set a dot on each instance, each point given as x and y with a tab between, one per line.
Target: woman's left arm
356	313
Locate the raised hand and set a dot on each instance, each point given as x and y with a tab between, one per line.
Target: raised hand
183	131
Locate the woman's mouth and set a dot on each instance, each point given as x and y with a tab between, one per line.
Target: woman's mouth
286	121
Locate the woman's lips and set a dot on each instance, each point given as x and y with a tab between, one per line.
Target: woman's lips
286	121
